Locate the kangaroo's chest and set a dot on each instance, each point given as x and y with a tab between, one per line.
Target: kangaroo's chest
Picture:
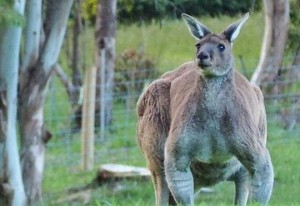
212	127
211	144
214	113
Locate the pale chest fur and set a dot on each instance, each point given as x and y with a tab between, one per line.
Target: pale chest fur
210	126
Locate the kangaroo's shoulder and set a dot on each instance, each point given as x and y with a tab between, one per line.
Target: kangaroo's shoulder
157	94
247	87
180	71
154	96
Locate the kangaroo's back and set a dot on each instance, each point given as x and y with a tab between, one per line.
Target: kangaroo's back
153	109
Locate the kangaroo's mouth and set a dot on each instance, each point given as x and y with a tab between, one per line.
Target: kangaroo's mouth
204	64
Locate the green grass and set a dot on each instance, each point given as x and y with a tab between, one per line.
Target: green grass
284	148
285	153
169	44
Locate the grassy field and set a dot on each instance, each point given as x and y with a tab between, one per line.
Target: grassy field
168	44
284	147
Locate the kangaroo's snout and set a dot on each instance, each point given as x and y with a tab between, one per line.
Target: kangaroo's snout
203	55
204	58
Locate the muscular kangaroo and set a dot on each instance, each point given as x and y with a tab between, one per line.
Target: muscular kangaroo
204	123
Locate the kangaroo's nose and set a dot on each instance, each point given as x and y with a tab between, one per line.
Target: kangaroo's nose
203	55
204	59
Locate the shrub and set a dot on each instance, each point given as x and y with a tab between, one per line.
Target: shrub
132	71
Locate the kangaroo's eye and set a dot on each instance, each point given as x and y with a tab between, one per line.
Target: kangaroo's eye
221	47
198	46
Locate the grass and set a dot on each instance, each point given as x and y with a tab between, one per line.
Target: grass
283	146
285	156
169	44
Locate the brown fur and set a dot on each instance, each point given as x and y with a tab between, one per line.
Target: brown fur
198	126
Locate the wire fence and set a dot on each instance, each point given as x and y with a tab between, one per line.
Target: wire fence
119	146
282	103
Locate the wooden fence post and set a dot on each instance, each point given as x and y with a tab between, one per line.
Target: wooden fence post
88	120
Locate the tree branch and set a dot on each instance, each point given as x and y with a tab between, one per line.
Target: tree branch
54	38
71	90
32	33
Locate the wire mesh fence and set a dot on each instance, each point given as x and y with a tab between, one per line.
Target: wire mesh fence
282	102
64	158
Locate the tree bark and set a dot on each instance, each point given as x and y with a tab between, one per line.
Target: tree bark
34	78
76	69
76	63
11	184
105	39
274	41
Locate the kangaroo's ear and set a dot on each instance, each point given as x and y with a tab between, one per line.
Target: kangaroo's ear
197	29
233	30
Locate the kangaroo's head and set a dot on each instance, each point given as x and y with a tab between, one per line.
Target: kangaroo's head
214	51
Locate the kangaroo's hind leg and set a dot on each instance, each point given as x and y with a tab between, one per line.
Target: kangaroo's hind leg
163	195
152	132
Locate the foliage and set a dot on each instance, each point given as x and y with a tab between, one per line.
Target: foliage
89	9
132	68
8	16
137	10
294	32
134	10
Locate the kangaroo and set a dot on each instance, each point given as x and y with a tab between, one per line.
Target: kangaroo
204	123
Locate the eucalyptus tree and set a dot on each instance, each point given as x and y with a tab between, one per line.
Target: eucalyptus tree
106	22
11	184
44	34
274	41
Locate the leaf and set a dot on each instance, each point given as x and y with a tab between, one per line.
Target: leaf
9	17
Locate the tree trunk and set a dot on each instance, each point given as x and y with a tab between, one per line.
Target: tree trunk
105	39
275	36
34	77
34	136
76	63
11	184
76	69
